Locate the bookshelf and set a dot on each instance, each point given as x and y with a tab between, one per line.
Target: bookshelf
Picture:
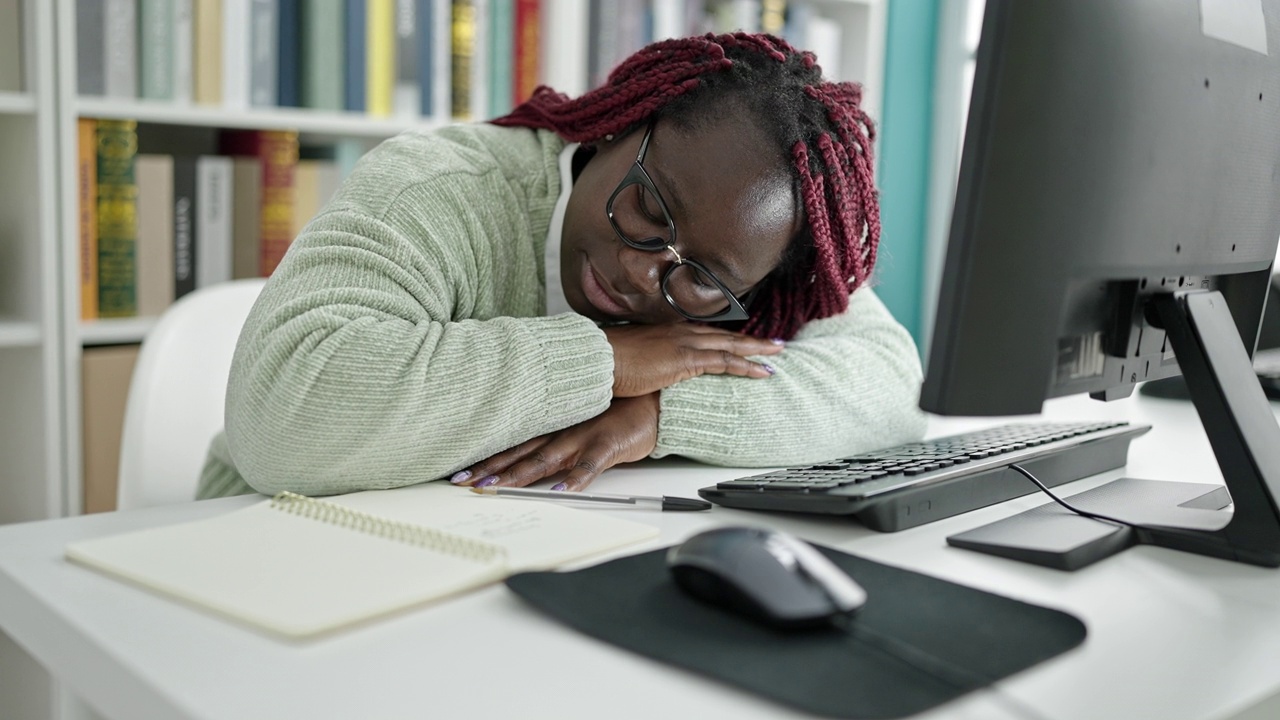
43	340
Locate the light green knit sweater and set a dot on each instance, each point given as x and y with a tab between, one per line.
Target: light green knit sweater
403	338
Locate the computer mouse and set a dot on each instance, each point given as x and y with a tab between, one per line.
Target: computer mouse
766	575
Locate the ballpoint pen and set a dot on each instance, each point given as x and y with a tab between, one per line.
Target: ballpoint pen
664	502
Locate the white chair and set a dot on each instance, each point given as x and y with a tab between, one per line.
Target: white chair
175	404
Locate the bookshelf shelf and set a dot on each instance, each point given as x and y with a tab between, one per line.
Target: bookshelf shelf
17	103
336	124
115	331
19	334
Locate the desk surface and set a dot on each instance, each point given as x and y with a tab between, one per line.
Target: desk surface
1171	635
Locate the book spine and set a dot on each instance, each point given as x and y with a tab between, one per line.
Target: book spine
407	101
322	53
288	35
441	49
183	51
425	55
87	186
773	16
357	56
120	48
380	63
246	217
207	43
185	211
480	61
528	49
154	254
213	219
91	76
278	150
155	49
237	34
463	44
117	147
501	41
263	67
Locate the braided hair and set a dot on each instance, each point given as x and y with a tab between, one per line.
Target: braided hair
819	128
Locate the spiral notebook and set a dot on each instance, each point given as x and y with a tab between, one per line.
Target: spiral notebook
299	567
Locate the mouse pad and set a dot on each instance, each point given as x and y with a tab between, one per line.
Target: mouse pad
917	643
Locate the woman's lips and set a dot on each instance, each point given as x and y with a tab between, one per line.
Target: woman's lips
597	295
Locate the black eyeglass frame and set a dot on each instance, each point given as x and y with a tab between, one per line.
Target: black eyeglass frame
637	175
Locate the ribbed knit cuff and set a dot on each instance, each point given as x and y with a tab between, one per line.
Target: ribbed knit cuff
697	420
578	364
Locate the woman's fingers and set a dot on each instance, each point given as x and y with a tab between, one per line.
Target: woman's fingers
481	474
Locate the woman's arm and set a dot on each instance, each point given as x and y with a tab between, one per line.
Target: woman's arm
844	384
397	344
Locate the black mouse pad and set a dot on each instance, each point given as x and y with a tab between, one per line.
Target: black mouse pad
918	642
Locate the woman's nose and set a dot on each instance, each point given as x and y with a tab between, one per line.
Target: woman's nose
643	269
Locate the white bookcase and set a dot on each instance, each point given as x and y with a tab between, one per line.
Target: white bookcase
41	334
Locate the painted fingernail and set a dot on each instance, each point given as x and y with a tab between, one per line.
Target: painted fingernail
486	482
769	368
559	486
460	477
777	341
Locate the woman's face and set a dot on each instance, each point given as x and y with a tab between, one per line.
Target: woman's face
729	197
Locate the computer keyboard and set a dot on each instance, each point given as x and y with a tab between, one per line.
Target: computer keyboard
901	487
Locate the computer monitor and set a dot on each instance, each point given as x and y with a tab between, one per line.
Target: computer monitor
1116	220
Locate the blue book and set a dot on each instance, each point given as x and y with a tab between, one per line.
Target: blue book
424	18
288	32
354	83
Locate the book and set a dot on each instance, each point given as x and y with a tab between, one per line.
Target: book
354	38
120	48
105	373
435	58
301	567
214	203
11	45
277	152
322	53
407	100
237	41
380	63
288	36
185	211
207	49
87	192
117	147
246	217
314	183
263	58
501	66
183	51
463	43
527	51
91	56
155	49
154	253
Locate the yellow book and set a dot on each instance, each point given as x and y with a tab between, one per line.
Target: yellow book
207	43
87	189
380	65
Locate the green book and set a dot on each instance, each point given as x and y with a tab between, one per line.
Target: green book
502	19
155	52
117	142
321	53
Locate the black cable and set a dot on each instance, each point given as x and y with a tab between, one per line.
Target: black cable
1065	504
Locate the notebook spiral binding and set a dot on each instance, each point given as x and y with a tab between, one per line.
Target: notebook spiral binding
429	538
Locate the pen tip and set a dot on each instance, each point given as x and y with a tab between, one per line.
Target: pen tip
484	491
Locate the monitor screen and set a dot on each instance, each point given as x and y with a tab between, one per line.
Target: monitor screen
1115	151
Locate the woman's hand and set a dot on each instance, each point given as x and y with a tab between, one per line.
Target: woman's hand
626	432
648	358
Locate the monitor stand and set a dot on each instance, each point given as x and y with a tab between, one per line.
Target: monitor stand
1245	438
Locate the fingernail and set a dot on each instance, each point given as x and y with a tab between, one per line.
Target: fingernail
460	477
486	482
559	486
769	368
777	341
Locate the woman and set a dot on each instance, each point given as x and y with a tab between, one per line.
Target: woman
672	263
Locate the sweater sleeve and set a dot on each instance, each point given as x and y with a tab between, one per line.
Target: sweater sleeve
844	385
400	341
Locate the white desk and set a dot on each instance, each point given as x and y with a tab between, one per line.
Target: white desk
1171	636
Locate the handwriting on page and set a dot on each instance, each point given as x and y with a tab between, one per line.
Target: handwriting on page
496	525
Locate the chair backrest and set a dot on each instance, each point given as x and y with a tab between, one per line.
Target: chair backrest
176	397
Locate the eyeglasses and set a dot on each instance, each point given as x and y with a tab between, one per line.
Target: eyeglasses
640	219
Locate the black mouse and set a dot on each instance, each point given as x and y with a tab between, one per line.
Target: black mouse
769	576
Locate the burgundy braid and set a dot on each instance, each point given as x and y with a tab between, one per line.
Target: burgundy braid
832	156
